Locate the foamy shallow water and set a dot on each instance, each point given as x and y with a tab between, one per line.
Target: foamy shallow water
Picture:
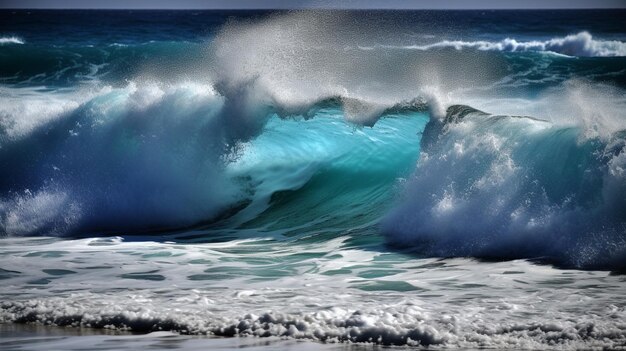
30	337
321	292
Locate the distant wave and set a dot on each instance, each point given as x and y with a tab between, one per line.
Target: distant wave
10	40
581	44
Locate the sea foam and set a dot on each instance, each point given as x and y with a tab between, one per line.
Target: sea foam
11	40
580	44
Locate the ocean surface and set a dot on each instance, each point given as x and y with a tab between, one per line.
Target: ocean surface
340	180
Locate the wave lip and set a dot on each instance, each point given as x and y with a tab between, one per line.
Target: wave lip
581	44
11	40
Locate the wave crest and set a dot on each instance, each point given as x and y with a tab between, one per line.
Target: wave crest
11	40
580	44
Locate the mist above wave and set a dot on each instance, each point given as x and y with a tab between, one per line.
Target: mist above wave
296	59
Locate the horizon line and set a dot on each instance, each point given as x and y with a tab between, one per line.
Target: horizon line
312	8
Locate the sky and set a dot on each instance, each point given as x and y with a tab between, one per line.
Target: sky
300	4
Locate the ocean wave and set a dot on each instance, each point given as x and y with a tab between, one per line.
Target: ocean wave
135	154
504	187
580	44
127	158
215	150
11	40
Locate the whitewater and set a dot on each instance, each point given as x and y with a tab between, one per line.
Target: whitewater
313	179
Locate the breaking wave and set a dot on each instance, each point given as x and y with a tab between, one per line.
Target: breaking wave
504	187
147	153
119	158
283	175
153	156
580	44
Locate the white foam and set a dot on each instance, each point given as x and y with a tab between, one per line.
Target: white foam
11	40
23	110
44	210
321	299
580	44
597	109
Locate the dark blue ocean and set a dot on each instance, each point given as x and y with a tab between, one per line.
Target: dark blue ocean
312	179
